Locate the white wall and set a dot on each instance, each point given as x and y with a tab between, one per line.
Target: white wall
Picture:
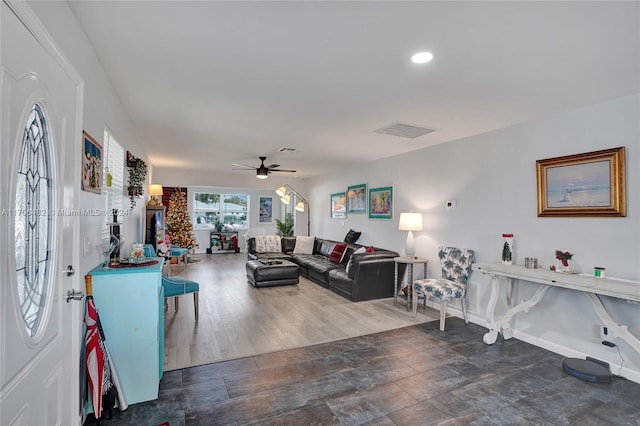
101	107
493	179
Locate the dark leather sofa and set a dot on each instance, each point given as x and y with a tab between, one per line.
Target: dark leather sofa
370	276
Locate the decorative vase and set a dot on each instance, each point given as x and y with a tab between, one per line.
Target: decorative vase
507	249
561	267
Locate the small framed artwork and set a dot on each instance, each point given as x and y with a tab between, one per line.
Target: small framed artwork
91	164
338	205
381	203
266	209
357	198
588	184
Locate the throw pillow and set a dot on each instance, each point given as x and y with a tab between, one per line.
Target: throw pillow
350	262
268	244
352	236
338	252
304	245
370	249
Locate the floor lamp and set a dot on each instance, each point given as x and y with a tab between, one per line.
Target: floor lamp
285	192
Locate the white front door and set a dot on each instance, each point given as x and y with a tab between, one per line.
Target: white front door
39	174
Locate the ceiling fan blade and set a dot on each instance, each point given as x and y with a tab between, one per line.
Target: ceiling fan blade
248	170
273	166
282	170
244	165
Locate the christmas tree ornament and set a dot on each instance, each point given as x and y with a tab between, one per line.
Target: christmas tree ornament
179	225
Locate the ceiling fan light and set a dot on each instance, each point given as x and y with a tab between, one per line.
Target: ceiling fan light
262	173
286	199
300	206
282	191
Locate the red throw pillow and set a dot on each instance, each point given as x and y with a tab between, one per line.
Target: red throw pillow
338	253
369	249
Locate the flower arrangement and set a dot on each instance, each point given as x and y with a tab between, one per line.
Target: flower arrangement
564	257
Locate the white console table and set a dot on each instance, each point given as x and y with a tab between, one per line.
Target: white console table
591	287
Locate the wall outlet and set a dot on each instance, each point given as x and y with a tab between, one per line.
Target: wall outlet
605	334
451	204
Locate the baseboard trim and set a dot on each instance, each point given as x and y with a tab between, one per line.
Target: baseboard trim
627	373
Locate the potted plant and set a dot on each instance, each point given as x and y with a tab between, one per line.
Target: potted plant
285	229
137	177
217	224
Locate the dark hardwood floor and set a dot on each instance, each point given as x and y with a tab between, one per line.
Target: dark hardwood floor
416	375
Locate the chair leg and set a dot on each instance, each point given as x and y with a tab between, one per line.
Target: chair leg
195	304
176	303
443	314
464	309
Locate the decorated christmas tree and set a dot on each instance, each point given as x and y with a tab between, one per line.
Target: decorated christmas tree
179	226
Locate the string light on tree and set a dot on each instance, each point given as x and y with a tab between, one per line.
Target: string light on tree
179	226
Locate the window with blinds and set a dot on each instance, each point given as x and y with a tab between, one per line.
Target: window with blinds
113	184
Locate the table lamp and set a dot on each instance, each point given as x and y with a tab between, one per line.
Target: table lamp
410	222
154	191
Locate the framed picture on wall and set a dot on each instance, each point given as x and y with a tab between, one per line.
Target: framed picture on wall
338	205
588	184
381	203
91	164
357	198
265	204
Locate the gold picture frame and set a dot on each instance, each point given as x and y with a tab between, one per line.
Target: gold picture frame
588	184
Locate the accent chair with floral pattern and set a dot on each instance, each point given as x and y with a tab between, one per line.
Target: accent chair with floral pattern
456	268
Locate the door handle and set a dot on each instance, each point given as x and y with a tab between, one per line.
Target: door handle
69	271
74	295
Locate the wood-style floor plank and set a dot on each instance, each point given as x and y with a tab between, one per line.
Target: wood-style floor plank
238	320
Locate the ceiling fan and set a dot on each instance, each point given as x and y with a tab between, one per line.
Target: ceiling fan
262	171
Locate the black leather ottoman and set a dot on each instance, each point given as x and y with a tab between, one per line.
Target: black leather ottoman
263	274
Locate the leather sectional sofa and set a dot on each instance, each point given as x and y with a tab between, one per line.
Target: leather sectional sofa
370	276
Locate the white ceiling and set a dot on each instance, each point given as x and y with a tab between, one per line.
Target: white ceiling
211	83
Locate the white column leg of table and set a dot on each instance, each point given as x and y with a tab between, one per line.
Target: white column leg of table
491	337
395	283
409	285
618	331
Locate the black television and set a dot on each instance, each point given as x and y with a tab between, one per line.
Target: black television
155	228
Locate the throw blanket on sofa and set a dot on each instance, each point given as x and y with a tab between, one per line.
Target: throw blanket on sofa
268	244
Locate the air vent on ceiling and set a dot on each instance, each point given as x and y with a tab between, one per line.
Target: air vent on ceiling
285	149
404	130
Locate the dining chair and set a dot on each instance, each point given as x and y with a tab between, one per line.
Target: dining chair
456	267
177	286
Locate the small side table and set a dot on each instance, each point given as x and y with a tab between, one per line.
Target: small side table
409	261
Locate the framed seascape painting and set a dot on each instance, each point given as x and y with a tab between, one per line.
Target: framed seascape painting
91	164
381	203
589	184
338	205
357	198
266	209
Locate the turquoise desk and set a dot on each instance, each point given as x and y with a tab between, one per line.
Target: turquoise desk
130	303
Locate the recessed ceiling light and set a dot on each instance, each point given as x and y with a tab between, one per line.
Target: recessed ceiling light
422	57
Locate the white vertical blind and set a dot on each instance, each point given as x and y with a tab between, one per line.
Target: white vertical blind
113	195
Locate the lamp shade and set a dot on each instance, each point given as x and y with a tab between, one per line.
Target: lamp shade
410	222
281	191
286	199
155	189
300	206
